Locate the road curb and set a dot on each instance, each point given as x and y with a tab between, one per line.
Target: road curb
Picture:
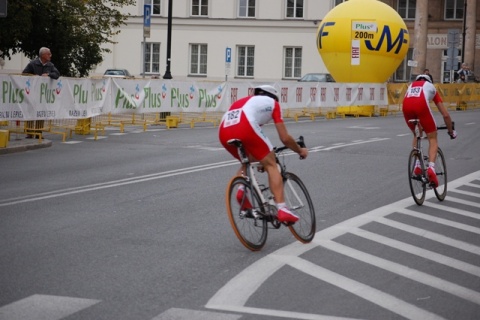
24	145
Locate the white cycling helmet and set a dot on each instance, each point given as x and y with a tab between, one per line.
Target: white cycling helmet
266	90
425	77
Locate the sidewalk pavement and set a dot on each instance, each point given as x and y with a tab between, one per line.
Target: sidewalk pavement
19	144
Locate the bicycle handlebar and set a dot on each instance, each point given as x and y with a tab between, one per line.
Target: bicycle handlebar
444	126
300	141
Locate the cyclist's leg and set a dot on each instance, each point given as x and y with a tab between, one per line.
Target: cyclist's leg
429	126
432	146
258	146
275	181
409	114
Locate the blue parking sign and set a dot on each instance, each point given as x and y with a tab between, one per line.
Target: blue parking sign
228	55
147	15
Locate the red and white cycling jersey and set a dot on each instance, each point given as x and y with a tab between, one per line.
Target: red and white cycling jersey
244	120
416	104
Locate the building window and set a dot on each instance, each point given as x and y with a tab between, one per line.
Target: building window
152	57
454	9
155	4
199	7
246	8
403	72
198	59
293	63
294	8
245	62
406	8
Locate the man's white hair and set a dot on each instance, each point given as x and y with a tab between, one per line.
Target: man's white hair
42	51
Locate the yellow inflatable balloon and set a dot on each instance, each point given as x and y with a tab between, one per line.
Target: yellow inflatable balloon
362	41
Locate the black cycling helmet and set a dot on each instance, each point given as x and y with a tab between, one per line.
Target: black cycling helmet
424	77
266	90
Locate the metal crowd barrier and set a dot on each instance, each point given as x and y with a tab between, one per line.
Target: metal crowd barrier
455	96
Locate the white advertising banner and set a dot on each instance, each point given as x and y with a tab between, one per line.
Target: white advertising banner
37	98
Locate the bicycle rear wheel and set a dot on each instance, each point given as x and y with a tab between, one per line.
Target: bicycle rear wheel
418	186
250	230
299	202
441	171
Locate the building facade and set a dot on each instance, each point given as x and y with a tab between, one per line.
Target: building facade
429	23
273	40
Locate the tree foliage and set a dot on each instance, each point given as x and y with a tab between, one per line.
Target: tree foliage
74	30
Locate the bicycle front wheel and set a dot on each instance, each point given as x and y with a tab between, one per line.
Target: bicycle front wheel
299	202
441	171
245	211
418	186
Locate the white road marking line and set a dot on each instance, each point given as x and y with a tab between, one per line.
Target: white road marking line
176	313
235	294
461	201
363	127
441	221
468	193
114	183
472	185
359	289
461	245
420	252
44	307
452	210
403	271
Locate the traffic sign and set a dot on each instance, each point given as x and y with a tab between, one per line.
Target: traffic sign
228	55
412	63
147	17
453	40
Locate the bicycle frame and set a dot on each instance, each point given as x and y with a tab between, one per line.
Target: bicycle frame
253	210
268	203
419	181
419	136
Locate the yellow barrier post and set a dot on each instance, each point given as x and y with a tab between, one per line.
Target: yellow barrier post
4	135
172	122
83	126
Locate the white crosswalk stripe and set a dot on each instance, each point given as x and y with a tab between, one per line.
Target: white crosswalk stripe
397	216
176	313
44	307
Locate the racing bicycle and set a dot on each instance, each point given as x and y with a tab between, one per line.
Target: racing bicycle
419	183
251	222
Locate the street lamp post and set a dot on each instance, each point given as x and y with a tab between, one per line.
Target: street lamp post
167	74
464	30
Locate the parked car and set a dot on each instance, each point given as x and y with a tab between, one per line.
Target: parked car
317	77
117	73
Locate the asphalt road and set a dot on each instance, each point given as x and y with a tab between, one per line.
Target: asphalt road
133	226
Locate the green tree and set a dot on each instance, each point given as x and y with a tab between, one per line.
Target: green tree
74	30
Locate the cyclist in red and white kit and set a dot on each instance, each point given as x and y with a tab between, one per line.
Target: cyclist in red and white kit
244	121
416	105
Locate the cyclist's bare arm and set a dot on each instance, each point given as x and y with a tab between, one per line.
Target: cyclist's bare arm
446	117
289	141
